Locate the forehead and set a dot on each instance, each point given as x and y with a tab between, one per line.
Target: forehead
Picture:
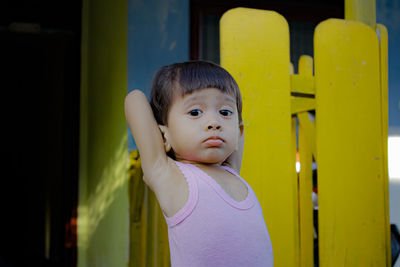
208	94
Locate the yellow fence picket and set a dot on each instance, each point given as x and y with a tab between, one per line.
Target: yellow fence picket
383	52
306	144
148	230
255	50
352	224
136	210
305	193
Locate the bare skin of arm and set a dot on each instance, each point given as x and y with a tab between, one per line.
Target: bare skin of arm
234	161
146	133
160	173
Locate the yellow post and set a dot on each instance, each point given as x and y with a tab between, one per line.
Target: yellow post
255	50
352	204
361	10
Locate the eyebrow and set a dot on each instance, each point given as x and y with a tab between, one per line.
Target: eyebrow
192	99
230	99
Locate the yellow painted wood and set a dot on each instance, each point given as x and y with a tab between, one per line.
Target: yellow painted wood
136	203
303	84
293	156
383	52
352	230
162	248
306	146
306	66
309	127
305	193
301	104
151	229
361	10
255	50
148	230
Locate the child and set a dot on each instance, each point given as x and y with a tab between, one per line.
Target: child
190	139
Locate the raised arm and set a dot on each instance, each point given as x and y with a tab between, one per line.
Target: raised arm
146	134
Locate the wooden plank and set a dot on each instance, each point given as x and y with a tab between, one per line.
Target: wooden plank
305	193
301	104
162	248
302	84
309	127
306	66
136	203
151	229
306	147
255	50
352	228
383	58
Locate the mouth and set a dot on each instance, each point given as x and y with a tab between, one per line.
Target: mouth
214	141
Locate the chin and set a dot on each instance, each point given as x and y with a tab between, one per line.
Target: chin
213	160
208	158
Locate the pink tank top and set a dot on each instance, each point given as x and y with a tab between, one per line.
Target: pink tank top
212	229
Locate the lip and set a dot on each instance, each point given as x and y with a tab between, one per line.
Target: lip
214	141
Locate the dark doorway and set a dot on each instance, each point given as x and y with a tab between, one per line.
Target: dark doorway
40	61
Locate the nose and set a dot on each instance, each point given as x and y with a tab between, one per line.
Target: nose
213	122
213	126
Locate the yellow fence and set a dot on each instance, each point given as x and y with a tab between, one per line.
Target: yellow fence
347	140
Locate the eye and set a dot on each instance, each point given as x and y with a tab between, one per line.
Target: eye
225	112
195	112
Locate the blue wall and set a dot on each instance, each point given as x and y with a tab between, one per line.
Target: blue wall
388	14
158	35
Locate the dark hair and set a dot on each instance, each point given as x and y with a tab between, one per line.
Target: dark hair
185	78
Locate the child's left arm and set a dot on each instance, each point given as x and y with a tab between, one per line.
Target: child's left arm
234	161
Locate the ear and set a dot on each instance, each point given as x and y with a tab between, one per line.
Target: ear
241	129
165	135
241	137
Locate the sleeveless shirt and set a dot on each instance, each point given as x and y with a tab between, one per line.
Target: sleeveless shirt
212	229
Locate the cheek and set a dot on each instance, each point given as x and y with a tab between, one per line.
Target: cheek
235	131
181	134
237	136
182	139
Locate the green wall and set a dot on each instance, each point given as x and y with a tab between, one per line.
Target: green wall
103	212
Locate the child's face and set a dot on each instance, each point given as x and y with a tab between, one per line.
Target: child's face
203	126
